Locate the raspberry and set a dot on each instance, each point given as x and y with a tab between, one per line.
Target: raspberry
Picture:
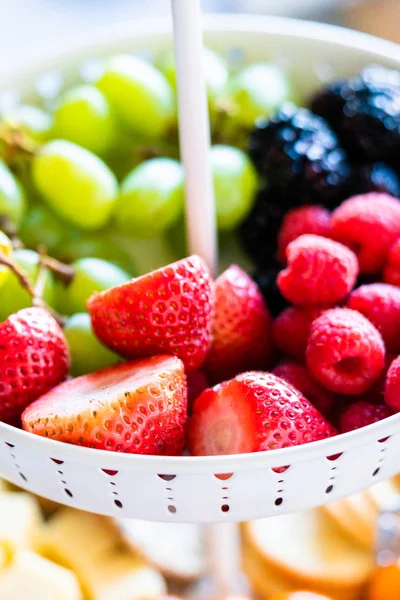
300	378
369	224
291	330
304	219
362	413
345	352
392	385
380	303
320	271
391	273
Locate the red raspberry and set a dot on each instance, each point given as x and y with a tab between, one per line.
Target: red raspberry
376	393
345	352
300	378
380	303
392	386
362	413
368	224
304	219
320	271
291	330
391	274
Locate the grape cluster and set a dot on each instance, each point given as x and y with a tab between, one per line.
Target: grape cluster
92	190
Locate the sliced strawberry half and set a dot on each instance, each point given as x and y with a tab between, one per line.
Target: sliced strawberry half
166	311
34	357
137	407
253	412
241	334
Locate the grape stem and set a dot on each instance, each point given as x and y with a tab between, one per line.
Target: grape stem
64	272
36	291
11	231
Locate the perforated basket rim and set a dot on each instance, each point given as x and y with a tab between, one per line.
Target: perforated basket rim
104	41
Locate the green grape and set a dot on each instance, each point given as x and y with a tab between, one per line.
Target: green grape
5	250
91	275
151	198
215	71
41	227
12	197
82	245
140	94
87	353
258	90
76	184
30	120
13	296
83	116
151	253
235	184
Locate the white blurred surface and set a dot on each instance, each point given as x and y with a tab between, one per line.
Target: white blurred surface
32	27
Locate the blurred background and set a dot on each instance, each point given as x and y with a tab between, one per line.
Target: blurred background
30	27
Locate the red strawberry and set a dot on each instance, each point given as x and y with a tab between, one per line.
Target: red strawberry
241	336
253	412
168	310
34	357
137	407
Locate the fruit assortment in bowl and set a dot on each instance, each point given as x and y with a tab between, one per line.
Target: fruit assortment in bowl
114	338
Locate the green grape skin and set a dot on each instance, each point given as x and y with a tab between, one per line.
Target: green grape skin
215	71
32	121
258	90
235	184
151	198
5	250
87	353
83	116
140	95
41	227
98	245
151	253
13	296
75	183
12	197
91	275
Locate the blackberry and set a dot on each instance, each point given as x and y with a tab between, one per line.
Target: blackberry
300	157
375	177
258	232
266	281
365	113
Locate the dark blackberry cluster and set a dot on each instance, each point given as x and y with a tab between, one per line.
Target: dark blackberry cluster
365	113
259	231
375	177
266	281
300	157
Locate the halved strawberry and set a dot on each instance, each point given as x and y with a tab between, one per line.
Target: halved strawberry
137	407
253	412
34	357
241	334
168	310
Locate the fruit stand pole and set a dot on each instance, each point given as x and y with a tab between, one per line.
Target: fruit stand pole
195	142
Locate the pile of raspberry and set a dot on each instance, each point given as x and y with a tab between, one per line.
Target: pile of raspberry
338	339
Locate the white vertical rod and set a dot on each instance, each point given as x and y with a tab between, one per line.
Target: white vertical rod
194	130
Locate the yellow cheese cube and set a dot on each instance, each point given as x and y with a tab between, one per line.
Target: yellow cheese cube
20	520
34	577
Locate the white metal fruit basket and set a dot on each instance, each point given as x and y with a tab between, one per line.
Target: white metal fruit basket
187	488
